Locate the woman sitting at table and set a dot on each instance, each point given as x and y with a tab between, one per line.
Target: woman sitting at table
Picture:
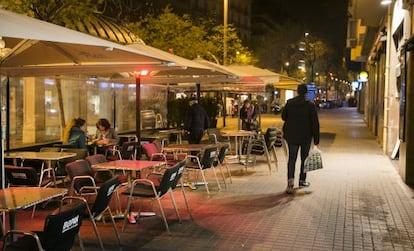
105	134
74	133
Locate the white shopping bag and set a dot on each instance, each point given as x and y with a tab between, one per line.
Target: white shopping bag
314	160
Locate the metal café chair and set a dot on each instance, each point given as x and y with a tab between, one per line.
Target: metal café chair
221	160
153	187
59	231
200	164
100	206
28	176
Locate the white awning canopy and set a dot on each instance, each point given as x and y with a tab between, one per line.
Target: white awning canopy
251	78
34	47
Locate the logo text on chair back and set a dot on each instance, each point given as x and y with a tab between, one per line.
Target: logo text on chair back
70	224
110	190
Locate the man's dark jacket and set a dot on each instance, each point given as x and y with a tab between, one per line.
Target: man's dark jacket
301	121
196	118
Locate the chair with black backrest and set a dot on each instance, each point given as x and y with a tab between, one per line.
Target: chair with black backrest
103	175
271	138
178	181
259	147
28	176
59	231
126	151
200	164
221	158
100	206
153	188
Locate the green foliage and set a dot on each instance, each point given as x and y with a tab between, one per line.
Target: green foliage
190	38
61	12
211	105
276	45
169	32
176	111
236	52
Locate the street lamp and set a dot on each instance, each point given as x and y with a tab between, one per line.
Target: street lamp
287	64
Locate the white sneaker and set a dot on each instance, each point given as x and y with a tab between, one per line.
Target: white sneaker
131	219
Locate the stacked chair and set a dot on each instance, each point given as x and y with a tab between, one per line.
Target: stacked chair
261	145
221	160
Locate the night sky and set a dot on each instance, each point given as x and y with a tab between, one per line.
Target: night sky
326	19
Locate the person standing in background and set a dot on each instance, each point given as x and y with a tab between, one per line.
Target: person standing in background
248	115
196	121
301	125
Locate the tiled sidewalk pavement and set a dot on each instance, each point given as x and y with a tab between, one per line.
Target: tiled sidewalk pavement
357	202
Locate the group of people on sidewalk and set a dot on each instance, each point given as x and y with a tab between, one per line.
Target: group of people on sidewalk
300	129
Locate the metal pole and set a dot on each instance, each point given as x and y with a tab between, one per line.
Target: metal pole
224	112
114	105
225	22
198	92
138	114
2	138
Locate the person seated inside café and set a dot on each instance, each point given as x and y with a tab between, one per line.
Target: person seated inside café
74	134
105	136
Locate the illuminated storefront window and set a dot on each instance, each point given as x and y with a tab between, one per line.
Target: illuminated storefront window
38	108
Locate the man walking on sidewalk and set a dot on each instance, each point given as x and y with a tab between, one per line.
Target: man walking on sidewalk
300	127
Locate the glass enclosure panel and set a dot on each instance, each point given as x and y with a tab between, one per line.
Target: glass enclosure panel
40	107
154	101
100	100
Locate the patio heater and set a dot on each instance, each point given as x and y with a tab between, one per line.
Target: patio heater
138	76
